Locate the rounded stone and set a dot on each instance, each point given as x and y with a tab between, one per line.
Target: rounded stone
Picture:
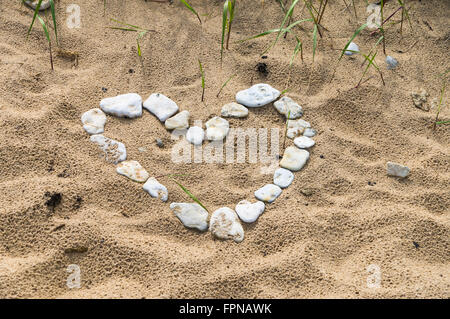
94	121
304	142
224	224
156	189
195	135
257	95
124	105
179	121
294	158
133	170
268	193
217	128
161	106
286	106
234	109
283	177
249	212
191	215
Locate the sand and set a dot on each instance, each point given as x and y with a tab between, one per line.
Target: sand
62	204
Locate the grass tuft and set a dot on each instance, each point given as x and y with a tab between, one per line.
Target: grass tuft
191	9
202	72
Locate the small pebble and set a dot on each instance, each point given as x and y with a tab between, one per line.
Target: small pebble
224	224
133	170
304	142
191	215
307	191
268	193
398	170
234	109
142	149
179	121
249	212
115	151
257	95
104	89
391	62
195	135
156	189
159	142
125	105
309	132
161	106
33	4
94	121
283	177
297	128
286	106
294	158
217	128
352	47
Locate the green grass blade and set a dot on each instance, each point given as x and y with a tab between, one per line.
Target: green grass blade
191	9
202	73
224	26
52	9
286	18
195	199
38	6
44	27
225	84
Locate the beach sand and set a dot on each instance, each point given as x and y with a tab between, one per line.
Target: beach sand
61	204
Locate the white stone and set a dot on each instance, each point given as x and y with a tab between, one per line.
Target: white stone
283	177
161	106
268	193
125	105
133	170
286	106
195	135
296	128
398	170
352	47
45	4
115	151
258	95
309	132
94	121
156	189
217	128
391	62
304	142
234	109
192	215
179	121
294	158
249	212
224	224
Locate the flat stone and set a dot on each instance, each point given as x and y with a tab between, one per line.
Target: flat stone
192	215
283	177
309	132
286	106
224	224
268	193
159	142
115	151
352	47
249	212
94	121
161	106
217	128
179	121
125	105
304	142
195	135
398	170
234	109
296	128
391	62
294	158
156	189
133	170
257	95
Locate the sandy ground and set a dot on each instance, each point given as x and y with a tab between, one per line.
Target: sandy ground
130	245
